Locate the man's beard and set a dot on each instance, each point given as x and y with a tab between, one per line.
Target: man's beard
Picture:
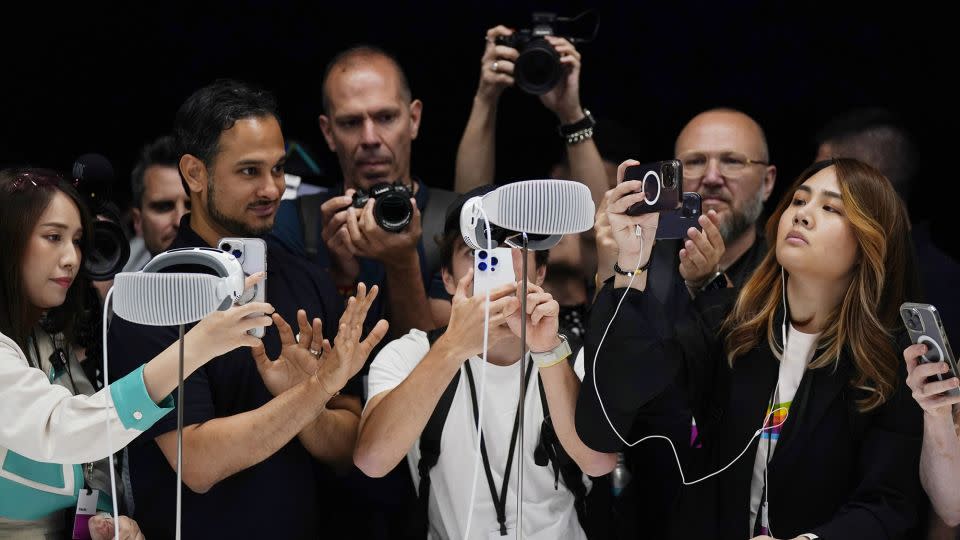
741	220
236	227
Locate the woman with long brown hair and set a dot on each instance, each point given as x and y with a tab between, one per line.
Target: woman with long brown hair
805	360
43	230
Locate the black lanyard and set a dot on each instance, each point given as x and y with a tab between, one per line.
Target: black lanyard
499	502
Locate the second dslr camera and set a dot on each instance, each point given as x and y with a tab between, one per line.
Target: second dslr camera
537	69
392	209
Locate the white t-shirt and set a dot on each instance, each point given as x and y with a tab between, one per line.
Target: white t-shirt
799	351
548	513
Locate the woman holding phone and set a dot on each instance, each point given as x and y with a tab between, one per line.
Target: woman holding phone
804	359
44	229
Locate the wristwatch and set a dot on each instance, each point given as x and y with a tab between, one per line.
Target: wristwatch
553	356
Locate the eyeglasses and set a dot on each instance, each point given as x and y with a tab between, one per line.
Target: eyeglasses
729	163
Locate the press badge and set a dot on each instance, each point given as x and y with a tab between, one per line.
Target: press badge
86	508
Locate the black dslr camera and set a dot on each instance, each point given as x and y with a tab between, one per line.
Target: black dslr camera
537	69
391	209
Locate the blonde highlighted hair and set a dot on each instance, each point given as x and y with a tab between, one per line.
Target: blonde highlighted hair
883	277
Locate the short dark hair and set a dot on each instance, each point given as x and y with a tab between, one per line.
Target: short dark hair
877	137
163	152
448	241
355	55
25	194
213	109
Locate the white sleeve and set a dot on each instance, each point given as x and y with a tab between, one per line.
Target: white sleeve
44	422
396	361
578	365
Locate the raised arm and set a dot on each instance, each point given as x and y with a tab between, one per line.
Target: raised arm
476	154
940	456
45	422
330	436
394	419
560	383
563	100
221	447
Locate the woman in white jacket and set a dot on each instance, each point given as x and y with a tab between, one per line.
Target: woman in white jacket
43	227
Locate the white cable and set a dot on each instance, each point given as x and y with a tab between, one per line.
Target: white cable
683	477
110	414
483	372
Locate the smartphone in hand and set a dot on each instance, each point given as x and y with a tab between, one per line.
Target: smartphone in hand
661	186
924	326
674	225
252	254
492	268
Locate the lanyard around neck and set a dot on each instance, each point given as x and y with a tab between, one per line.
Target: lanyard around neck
499	501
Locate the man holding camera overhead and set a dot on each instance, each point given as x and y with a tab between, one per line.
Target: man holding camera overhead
549	67
372	226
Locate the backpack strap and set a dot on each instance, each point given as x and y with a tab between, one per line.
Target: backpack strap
434	215
563	465
430	448
309	206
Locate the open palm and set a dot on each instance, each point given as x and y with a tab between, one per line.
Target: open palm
297	360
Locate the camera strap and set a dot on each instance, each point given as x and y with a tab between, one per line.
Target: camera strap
499	501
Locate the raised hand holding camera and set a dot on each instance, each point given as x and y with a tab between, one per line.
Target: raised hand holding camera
371	240
333	216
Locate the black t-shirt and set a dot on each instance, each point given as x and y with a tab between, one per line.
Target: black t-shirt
282	496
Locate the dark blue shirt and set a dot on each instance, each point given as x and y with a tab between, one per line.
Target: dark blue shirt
287	231
285	495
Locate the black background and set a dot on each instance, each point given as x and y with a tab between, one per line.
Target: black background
108	77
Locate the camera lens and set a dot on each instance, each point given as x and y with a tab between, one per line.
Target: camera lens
482	254
393	212
537	69
109	251
226	247
237	253
913	320
669	176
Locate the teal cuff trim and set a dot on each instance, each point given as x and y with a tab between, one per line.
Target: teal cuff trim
134	406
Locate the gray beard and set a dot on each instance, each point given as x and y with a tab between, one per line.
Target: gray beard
236	227
740	221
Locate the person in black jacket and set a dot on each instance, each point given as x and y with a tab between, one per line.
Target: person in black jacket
803	359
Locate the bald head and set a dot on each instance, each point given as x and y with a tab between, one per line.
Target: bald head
726	160
360	60
723	130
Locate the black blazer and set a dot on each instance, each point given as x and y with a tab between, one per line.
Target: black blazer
835	472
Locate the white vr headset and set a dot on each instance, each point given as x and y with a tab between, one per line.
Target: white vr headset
543	210
158	298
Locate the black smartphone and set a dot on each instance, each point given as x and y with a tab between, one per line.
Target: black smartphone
661	186
924	326
674	225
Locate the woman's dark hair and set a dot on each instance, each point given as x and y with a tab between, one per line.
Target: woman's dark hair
25	194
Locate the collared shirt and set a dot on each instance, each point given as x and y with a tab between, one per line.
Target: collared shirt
279	497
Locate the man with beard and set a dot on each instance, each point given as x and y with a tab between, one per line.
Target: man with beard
726	160
258	434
